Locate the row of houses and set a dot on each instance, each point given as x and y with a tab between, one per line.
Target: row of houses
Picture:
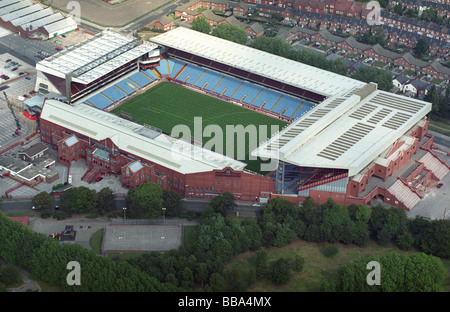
350	45
187	12
440	7
397	34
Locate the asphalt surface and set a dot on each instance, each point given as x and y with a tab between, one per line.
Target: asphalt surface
197	205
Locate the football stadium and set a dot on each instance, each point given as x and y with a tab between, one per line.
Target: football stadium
120	99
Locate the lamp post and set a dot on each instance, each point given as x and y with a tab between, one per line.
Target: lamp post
124	213
164	222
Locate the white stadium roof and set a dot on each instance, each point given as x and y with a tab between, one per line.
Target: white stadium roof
135	139
95	57
346	132
256	61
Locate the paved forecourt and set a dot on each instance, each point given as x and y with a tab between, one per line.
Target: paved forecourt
141	238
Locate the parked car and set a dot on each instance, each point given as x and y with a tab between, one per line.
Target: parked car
14	69
26	96
256	205
98	179
7	66
28	78
439	185
8	60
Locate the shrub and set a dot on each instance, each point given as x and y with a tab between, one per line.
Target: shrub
330	251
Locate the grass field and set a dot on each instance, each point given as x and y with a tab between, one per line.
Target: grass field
317	267
167	105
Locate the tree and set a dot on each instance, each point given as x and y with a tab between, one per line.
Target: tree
398	8
216	282
434	98
436	239
231	32
43	201
280	272
201	24
106	203
172	202
201	273
299	262
145	201
371	74
222	202
261	263
422	47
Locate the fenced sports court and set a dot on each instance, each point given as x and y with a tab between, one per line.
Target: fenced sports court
135	237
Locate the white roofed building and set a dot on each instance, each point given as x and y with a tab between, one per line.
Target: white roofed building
34	20
87	66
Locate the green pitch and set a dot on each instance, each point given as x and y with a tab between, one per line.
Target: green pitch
167	105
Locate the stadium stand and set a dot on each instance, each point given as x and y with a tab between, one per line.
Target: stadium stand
190	74
150	74
229	85
140	79
122	85
177	67
268	97
114	94
247	93
99	100
209	80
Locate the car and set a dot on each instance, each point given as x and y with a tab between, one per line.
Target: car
26	96
439	185
14	69
98	179
64	36
32	92
6	77
28	78
8	60
21	73
256	205
7	66
2	76
17	132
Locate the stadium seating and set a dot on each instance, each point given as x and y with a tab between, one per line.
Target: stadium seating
114	94
305	107
211	78
163	68
99	101
140	79
176	68
193	72
268	96
291	104
122	85
150	74
231	84
249	90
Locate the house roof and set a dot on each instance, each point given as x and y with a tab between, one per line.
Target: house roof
35	149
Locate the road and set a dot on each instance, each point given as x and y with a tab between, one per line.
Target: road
243	208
